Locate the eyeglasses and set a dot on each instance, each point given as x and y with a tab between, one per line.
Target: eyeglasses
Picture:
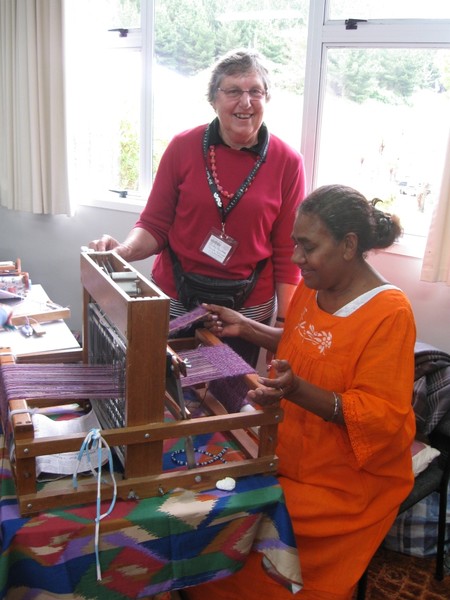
236	93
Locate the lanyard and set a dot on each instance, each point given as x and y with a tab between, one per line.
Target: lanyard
224	212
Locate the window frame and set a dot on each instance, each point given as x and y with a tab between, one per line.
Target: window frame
139	40
323	34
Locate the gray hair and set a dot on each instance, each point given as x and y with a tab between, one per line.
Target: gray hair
238	62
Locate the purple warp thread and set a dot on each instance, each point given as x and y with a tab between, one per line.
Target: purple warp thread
57	382
213	362
186	320
60	381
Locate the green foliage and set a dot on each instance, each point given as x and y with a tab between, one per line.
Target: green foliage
390	76
159	146
351	74
183	39
443	62
126	14
129	157
191	34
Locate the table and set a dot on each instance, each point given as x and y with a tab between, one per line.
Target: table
57	338
146	546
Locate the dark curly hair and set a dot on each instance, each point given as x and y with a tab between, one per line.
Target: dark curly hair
345	210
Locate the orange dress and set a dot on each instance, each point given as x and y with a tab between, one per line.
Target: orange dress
343	485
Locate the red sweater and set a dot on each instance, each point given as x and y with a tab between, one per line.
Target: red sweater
181	210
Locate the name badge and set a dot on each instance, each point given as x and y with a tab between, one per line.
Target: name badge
219	246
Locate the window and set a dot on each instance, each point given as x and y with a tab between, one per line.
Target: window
377	107
385	128
368	103
131	91
103	96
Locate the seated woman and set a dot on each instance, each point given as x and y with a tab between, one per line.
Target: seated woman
344	370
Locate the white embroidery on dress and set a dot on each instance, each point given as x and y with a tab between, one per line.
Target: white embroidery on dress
322	339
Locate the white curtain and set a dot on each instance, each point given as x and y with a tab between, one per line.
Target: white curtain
33	153
436	261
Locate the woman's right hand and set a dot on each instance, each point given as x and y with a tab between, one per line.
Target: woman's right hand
104	244
223	321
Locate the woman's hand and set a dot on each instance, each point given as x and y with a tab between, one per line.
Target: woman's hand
274	388
138	245
104	244
223	321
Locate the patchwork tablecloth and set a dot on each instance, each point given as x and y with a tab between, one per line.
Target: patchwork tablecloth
146	546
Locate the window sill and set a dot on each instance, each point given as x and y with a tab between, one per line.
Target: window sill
133	204
409	245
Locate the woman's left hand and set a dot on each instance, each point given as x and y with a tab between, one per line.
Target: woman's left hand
272	389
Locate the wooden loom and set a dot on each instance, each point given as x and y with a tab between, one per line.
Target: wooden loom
140	313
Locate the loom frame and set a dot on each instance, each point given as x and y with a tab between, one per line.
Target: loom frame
146	400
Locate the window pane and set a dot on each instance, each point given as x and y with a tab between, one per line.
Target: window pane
388	9
385	126
190	36
105	124
103	97
123	13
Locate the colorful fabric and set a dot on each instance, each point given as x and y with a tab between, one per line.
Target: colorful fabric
181	207
414	531
147	546
431	387
343	486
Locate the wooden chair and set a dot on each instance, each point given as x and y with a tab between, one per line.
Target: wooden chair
435	478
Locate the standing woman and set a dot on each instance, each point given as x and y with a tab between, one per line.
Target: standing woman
223	204
345	372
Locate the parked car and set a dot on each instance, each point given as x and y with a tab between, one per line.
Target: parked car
407	188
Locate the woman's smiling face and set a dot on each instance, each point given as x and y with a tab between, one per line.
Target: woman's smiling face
240	118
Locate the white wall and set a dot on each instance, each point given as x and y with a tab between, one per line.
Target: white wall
49	248
430	301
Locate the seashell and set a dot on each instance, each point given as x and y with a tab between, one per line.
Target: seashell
227	484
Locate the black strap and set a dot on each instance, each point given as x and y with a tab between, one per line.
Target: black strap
224	212
178	271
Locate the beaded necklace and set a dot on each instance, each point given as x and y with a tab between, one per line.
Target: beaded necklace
213	181
213	457
212	160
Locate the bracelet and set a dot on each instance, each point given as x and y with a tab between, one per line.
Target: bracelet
337	408
280	319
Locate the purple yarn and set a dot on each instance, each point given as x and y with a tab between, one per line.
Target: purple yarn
213	362
186	320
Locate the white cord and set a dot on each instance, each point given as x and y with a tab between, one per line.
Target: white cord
94	441
21	411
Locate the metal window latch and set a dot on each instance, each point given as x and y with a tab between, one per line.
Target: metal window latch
353	23
122	31
122	193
